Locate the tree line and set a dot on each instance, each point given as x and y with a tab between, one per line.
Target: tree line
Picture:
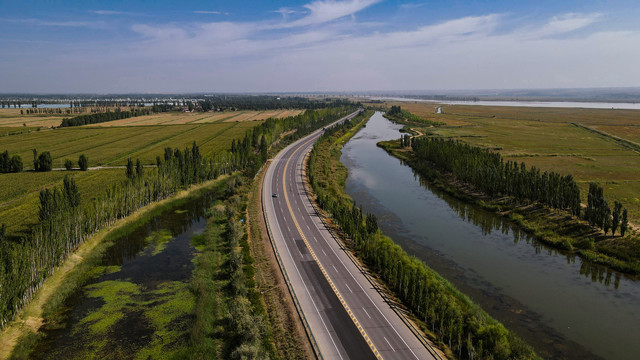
104	117
463	326
266	102
487	171
599	214
65	220
396	114
10	164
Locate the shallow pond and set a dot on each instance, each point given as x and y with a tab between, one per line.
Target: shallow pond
142	306
563	306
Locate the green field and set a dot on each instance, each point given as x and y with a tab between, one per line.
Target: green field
553	139
113	145
19	200
105	146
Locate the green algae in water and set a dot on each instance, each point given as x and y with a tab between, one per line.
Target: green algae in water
157	242
166	312
117	295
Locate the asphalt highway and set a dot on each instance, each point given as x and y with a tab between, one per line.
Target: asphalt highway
347	317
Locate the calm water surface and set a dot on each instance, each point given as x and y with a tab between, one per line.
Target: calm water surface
556	104
563	306
148	266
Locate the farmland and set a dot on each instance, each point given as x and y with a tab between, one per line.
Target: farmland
113	145
11	120
106	146
19	200
173	118
553	139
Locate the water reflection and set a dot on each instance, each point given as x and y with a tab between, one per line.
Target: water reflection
564	306
152	257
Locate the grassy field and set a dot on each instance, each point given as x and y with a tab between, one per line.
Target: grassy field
19	197
173	118
556	139
107	146
11	120
113	145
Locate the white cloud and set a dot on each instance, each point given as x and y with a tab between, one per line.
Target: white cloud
469	52
210	12
563	24
323	11
285	12
56	23
106	12
411	6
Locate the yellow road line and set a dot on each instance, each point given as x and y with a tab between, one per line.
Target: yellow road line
315	258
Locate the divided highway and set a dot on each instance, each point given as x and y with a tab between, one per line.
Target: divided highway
347	317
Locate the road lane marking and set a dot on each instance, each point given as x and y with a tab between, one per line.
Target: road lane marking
353	277
325	254
364	334
365	311
345	284
385	339
305	286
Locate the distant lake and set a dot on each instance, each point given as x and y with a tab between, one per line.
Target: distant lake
559	104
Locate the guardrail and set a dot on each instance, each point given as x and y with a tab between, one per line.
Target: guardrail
374	283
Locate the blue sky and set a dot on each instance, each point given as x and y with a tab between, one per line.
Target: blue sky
316	45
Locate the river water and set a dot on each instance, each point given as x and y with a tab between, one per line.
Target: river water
556	104
563	306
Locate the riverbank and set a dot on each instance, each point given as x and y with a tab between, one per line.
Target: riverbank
79	268
551	227
446	316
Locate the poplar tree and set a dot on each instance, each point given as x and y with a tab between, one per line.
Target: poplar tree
624	225
15	165
139	169
130	172
617	209
83	162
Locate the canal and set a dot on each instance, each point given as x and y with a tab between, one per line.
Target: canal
562	305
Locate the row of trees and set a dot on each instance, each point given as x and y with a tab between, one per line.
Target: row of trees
9	164
463	326
396	114
599	214
55	201
42	162
26	262
104	117
83	163
487	171
266	102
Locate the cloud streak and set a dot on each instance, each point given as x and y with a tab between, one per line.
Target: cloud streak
56	23
320	47
323	11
